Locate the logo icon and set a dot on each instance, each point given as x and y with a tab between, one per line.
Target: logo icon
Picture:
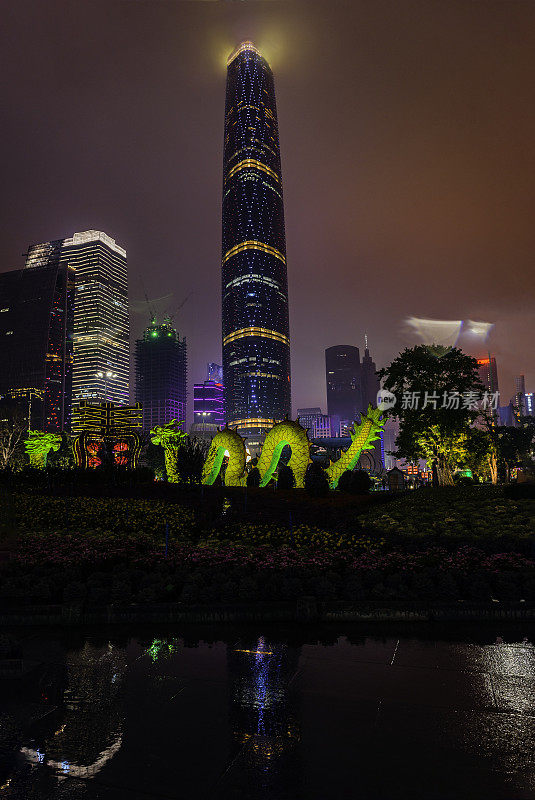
385	399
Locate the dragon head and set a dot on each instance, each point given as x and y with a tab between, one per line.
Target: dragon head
167	435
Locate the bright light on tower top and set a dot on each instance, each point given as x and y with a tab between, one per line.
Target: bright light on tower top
242	48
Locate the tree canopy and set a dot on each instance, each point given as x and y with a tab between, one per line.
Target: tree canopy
438	397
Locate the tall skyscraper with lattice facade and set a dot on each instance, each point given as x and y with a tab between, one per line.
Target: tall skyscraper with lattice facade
161	374
256	336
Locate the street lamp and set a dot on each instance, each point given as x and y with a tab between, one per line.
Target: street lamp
107	375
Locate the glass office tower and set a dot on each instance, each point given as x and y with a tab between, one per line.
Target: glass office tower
344	382
256	337
36	332
101	320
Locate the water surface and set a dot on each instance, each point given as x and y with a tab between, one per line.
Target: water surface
275	712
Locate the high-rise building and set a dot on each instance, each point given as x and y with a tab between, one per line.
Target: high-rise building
308	416
321	428
343	374
370	383
256	337
319	425
488	374
370	387
161	374
36	335
519	400
507	415
214	372
520	384
101	321
208	403
390	434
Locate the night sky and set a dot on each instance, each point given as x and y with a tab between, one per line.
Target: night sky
407	139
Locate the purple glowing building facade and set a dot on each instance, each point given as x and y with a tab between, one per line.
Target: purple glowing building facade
208	400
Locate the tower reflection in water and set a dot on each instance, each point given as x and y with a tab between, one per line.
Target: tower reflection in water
263	711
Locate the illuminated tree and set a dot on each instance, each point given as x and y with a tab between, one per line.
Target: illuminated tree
433	404
12	433
443	448
38	444
515	445
170	437
481	452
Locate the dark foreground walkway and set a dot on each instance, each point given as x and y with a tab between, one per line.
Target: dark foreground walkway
274	713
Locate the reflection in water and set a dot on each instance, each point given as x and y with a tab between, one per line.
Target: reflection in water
162	648
265	725
233	720
91	730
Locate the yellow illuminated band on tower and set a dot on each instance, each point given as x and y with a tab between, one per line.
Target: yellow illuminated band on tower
253	245
249	163
263	332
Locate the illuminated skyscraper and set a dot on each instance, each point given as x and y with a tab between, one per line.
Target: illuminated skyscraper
344	378
101	322
36	336
161	374
370	384
488	374
256	337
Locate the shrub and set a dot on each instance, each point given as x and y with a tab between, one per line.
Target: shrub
354	482
253	478
285	478
520	491
316	483
463	480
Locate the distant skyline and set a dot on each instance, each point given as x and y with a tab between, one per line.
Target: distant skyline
407	137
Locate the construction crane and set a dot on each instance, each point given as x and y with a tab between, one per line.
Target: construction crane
175	311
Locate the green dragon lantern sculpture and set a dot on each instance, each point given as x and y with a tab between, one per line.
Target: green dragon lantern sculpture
169	437
362	438
226	441
38	445
287	432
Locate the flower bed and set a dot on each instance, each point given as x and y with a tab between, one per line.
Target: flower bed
482	515
102	568
450	544
146	517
